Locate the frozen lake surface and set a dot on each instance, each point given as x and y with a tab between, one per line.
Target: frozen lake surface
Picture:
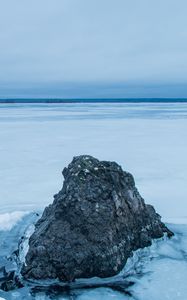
149	140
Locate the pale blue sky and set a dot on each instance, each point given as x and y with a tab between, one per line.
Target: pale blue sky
93	48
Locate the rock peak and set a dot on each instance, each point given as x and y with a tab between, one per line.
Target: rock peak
93	225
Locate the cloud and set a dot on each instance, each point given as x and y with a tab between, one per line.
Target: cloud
91	42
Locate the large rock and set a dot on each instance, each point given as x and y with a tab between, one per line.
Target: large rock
93	225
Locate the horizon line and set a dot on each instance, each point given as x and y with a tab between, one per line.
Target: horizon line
88	100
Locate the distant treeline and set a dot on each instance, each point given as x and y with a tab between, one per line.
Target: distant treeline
113	100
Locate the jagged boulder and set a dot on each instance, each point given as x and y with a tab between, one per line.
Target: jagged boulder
93	225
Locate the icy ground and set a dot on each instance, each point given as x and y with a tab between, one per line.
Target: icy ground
158	272
148	140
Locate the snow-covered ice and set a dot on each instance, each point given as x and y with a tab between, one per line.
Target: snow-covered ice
164	269
148	140
158	272
8	220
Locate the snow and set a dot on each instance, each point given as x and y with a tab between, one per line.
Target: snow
101	294
8	220
148	140
164	269
159	273
167	281
24	245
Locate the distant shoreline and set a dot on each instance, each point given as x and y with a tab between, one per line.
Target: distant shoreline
113	100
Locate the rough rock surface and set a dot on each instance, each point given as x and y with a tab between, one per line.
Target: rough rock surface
93	225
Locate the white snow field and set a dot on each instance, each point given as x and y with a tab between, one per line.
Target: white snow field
149	140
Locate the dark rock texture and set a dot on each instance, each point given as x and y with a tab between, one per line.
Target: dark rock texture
9	280
93	225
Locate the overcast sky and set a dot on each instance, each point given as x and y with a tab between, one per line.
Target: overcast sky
93	48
